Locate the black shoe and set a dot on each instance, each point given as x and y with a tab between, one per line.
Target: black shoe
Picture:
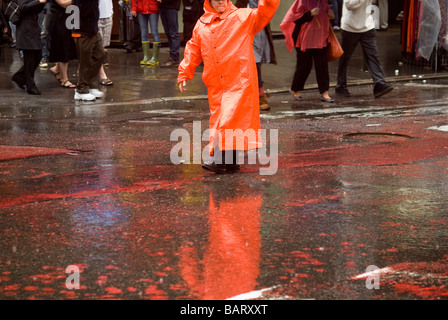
381	89
34	91
342	91
170	63
212	166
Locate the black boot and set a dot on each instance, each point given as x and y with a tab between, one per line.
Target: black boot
212	166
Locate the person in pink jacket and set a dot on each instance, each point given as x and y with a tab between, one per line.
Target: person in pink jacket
223	40
147	11
306	27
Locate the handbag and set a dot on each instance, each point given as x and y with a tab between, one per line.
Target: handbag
12	12
334	50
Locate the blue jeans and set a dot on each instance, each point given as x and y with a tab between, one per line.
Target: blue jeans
170	24
153	20
335	5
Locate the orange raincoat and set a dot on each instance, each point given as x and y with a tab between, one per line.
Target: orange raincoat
224	43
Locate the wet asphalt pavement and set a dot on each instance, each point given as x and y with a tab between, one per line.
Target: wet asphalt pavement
360	183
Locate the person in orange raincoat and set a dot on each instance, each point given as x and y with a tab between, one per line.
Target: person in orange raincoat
223	40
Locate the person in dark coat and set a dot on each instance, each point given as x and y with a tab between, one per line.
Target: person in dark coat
89	46
29	41
90	50
62	45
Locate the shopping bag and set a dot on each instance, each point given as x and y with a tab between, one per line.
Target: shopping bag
334	50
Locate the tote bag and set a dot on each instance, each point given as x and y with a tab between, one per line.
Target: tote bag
334	50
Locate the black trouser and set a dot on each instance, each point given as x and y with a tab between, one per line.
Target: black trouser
134	39
192	12
369	48
305	64
25	75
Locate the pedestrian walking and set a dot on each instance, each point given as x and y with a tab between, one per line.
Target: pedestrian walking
169	15
223	41
28	40
147	12
306	27
263	50
335	5
43	22
90	49
105	23
62	45
383	5
358	26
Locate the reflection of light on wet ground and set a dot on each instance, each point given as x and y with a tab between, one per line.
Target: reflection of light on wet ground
441	128
165	111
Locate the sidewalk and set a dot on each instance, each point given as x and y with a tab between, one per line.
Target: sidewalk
134	84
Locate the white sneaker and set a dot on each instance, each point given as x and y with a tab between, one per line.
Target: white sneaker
43	64
97	93
84	96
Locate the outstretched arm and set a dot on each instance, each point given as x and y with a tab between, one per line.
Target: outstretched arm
264	13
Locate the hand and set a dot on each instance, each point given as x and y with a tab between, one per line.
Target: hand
133	13
331	14
315	11
43	1
182	86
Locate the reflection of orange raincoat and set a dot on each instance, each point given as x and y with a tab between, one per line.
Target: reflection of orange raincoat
224	43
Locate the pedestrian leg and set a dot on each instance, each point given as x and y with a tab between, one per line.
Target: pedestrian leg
348	44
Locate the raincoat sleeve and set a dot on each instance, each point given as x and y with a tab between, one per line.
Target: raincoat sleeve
192	58
264	13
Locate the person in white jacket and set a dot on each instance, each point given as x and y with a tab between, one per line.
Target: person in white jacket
358	26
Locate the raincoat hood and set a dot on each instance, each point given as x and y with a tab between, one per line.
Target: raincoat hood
210	13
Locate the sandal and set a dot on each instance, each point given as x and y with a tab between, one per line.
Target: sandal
106	82
68	84
57	75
